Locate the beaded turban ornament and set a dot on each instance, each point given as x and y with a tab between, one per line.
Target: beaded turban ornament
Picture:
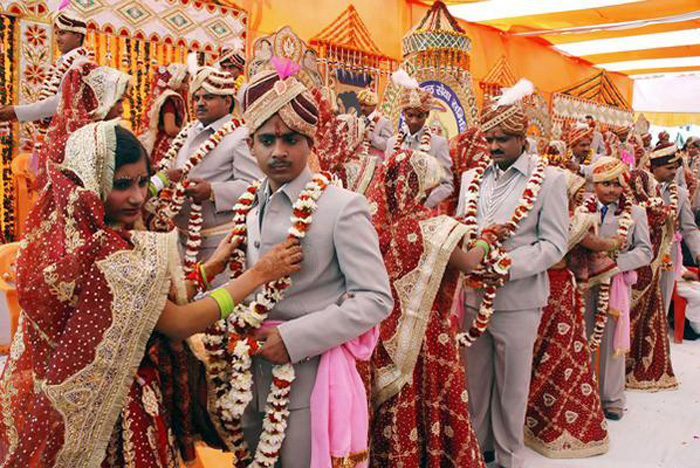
606	169
412	96
507	111
278	92
213	81
69	21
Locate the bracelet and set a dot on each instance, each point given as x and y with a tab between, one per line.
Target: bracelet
224	300
484	245
203	274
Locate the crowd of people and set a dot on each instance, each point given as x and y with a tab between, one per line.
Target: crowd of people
307	289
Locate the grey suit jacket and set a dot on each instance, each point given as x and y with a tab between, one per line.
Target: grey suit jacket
341	291
638	250
539	242
686	221
381	134
230	168
439	149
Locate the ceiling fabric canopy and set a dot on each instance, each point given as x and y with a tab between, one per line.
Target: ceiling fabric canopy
655	42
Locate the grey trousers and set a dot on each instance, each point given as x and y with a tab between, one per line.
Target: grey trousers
296	448
612	369
499	365
668	281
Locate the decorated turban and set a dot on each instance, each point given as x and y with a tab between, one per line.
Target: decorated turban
278	92
71	22
606	169
412	96
213	81
367	97
579	133
235	56
507	111
664	153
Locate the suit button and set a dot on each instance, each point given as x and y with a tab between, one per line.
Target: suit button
256	244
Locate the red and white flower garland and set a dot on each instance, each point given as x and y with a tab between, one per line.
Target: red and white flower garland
366	141
171	199
492	273
623	228
231	343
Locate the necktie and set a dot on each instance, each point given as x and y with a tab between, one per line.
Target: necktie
603	212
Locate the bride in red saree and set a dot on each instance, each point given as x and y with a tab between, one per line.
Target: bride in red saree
419	390
166	111
96	374
648	363
564	413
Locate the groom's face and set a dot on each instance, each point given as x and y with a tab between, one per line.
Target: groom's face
281	152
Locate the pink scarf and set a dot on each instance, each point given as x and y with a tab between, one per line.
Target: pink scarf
339	409
620	308
678	267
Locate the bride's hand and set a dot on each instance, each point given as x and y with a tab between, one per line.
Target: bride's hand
282	260
221	256
495	232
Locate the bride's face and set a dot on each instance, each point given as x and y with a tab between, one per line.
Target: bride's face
125	202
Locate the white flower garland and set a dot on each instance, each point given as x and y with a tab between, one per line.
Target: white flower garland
623	228
171	199
492	273
231	343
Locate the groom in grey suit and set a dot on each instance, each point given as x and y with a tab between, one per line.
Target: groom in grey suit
342	290
499	362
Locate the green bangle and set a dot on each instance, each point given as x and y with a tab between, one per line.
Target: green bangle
484	245
163	176
203	272
224	300
152	190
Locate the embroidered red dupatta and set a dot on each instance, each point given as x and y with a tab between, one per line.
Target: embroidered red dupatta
418	382
90	298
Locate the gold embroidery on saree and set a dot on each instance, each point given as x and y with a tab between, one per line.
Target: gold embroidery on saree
7	390
350	461
139	281
64	291
416	293
73	239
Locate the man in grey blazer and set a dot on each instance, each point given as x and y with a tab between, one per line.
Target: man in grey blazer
664	166
382	126
70	33
416	104
582	154
342	290
226	171
499	363
608	178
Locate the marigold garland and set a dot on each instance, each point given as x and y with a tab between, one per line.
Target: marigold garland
231	343
493	272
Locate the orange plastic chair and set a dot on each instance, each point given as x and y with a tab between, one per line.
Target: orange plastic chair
26	196
679	305
8	256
